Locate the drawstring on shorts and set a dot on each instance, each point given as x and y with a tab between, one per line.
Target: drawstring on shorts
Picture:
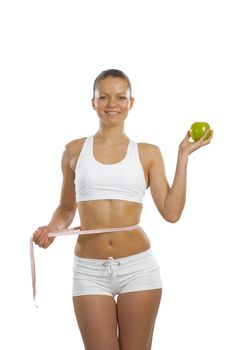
111	262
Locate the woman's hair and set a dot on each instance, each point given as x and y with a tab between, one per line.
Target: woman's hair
115	73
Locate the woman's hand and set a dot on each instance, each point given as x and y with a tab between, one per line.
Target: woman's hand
186	147
40	236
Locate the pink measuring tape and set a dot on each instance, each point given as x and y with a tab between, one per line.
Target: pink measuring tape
71	231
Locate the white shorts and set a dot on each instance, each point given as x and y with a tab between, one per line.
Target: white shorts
136	272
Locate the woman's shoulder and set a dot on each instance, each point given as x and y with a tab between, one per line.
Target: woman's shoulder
72	151
148	152
148	147
74	146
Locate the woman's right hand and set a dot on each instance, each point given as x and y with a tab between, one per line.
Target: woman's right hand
40	236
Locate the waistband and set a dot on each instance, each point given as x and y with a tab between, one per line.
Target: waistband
71	231
130	261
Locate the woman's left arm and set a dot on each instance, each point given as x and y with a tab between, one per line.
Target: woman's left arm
171	201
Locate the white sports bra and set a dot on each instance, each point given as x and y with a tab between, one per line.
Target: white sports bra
124	180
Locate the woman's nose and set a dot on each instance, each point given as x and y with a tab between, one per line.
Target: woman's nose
111	101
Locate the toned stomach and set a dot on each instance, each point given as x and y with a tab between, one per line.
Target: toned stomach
106	214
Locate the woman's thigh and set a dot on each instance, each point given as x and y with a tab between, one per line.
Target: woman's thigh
97	320
136	312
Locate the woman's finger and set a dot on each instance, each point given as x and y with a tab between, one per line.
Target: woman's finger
203	140
39	235
48	242
206	142
44	236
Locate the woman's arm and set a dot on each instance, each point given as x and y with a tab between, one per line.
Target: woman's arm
66	210
175	199
170	201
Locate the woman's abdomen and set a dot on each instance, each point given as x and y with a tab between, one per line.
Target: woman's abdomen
115	244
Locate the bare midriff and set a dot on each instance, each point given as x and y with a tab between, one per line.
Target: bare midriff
108	213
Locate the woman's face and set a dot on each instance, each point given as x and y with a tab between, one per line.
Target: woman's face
112	100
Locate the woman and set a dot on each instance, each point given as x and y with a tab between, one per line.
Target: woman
105	176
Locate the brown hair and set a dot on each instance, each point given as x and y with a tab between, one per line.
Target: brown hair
115	73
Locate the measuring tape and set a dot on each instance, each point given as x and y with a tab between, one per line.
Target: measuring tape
71	231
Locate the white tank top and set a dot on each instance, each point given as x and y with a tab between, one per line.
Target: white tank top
123	180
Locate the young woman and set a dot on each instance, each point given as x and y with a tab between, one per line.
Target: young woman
105	176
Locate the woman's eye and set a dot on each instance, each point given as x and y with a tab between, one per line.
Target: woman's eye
101	97
122	97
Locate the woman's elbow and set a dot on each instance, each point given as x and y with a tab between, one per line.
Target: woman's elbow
172	218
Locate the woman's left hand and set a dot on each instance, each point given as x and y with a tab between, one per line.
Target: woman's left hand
186	147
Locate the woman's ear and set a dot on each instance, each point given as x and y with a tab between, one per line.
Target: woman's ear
93	104
131	102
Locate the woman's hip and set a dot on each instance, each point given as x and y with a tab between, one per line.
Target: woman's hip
131	263
111	276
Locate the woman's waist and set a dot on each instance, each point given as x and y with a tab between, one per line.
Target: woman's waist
116	244
123	233
108	224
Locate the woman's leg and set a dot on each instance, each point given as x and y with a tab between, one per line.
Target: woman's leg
136	312
97	320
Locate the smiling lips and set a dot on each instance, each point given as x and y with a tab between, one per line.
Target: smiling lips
112	113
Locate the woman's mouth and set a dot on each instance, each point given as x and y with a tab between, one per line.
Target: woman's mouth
112	113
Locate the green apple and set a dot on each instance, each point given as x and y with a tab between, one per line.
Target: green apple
198	129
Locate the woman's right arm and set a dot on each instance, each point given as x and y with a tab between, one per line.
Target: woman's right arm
65	212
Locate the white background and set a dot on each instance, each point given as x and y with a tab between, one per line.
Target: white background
179	57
